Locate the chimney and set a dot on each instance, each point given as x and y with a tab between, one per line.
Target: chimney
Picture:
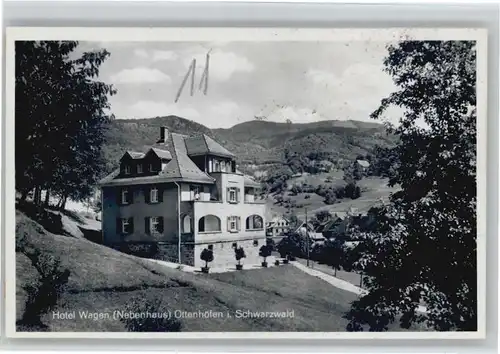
163	135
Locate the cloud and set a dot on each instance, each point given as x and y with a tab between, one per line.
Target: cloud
320	77
141	53
223	114
156	55
222	65
149	109
140	75
160	55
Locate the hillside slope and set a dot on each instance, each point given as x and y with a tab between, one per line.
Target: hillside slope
103	280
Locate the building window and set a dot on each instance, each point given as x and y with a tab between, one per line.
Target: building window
186	224
233	223
254	222
209	223
234	245
153	195
232	195
255	243
139	168
125	225
125	196
127	169
211	247
154	225
151	168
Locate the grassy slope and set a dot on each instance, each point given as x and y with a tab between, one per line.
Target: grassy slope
103	280
372	189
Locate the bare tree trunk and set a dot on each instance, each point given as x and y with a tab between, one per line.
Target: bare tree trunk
37	196
47	198
24	195
63	204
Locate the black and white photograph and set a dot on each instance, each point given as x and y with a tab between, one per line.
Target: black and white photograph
240	181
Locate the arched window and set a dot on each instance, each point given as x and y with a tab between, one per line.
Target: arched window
209	223
254	222
186	224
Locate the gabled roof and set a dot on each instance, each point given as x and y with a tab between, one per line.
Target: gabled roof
249	182
181	165
133	155
162	154
203	144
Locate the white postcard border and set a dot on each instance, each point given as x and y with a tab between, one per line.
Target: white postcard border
199	34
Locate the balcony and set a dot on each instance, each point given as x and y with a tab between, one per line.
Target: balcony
250	199
192	196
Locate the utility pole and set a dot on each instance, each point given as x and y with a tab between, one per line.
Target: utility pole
307	239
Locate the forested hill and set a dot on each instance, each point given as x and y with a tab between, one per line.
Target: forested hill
255	142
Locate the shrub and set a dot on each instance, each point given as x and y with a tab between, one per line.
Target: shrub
150	316
44	294
265	251
207	256
239	253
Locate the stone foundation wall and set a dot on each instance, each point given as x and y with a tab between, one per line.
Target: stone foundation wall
190	253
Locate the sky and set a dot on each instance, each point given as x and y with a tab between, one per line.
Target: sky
300	81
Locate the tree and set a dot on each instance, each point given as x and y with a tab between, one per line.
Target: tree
426	236
323	215
265	251
207	256
239	253
61	118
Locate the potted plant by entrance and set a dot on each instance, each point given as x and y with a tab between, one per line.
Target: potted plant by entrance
207	256
239	253
264	252
277	262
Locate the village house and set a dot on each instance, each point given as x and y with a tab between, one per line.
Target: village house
183	195
278	226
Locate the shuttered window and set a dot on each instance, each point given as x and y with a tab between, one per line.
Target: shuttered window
153	225
125	226
124	196
233	195
153	195
233	223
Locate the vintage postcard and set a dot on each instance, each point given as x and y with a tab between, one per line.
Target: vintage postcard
246	183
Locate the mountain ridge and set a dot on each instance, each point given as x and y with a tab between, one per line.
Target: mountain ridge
253	142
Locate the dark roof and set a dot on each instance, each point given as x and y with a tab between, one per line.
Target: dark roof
179	168
203	144
181	165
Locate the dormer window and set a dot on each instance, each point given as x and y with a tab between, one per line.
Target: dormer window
127	169
139	168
